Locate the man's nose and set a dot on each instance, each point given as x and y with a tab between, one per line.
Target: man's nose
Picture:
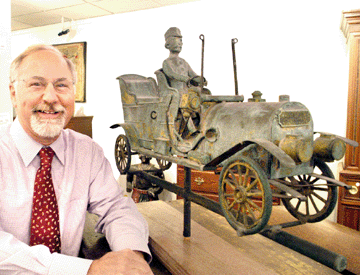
50	94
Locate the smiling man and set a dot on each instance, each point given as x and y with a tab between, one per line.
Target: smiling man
50	178
43	96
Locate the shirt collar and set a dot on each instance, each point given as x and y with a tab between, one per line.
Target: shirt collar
59	148
29	148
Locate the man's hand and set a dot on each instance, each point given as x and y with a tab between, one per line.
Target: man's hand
121	262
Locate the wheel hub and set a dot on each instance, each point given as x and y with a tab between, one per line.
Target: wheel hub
239	196
306	189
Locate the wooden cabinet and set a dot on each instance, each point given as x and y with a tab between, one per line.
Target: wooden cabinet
202	182
349	201
81	124
205	183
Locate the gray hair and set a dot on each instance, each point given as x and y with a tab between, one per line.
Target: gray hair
14	67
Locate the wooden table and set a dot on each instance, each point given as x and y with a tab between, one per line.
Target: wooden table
214	247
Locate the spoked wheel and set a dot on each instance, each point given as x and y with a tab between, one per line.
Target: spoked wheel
122	154
321	196
163	164
245	195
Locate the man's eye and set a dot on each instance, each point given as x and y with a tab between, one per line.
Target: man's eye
36	84
62	85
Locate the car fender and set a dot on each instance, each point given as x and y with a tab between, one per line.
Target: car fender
130	132
274	150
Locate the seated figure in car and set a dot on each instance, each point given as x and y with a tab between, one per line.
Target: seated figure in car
176	69
179	73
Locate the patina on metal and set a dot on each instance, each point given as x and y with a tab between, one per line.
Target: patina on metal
329	147
263	149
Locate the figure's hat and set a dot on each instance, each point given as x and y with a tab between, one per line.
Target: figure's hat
172	32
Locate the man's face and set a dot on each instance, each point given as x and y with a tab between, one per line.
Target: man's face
43	95
175	44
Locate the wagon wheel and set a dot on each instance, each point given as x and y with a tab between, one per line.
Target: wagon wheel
122	154
163	164
245	195
321	196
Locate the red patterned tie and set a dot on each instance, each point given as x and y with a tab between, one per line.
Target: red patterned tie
45	227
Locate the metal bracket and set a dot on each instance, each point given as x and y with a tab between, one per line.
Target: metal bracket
287	189
338	183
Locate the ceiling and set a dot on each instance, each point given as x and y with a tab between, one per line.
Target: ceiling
27	14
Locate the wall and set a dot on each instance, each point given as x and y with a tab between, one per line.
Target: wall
5	33
285	47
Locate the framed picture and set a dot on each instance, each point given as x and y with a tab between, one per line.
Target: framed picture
76	52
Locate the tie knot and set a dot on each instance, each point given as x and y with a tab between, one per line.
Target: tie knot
46	156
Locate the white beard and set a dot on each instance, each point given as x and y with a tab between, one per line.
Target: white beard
48	128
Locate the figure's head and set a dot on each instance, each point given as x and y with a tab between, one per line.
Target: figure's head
42	89
173	40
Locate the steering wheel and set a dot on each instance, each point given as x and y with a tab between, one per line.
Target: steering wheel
194	82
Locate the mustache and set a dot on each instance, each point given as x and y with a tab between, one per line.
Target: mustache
48	108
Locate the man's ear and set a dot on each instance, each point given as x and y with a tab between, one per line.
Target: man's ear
12	94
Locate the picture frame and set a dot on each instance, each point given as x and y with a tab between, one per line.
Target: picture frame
76	52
